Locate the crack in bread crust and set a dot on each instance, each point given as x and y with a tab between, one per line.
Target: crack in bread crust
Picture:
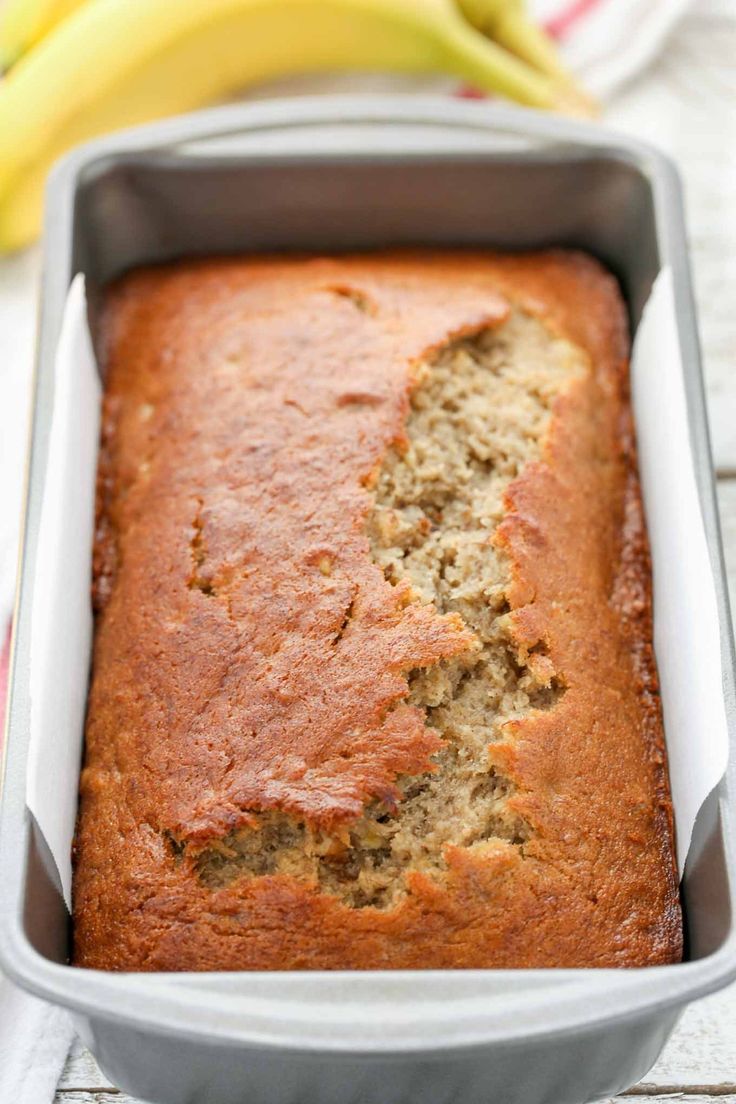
479	414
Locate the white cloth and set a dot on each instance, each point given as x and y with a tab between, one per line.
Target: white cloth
34	1042
607	42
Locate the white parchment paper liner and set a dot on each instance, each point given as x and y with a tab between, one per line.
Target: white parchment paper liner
686	629
61	623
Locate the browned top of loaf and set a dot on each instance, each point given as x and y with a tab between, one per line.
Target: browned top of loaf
250	656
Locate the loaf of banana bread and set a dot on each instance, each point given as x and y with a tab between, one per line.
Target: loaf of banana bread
373	682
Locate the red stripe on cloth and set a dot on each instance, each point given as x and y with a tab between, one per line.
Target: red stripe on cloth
468	92
559	26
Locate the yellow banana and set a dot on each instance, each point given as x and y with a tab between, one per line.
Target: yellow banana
23	23
116	63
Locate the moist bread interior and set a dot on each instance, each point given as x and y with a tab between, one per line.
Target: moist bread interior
479	412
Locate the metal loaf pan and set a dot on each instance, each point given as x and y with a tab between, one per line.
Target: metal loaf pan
329	174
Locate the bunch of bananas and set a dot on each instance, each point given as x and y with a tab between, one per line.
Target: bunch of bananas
77	68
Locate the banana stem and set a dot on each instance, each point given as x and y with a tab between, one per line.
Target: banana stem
519	34
505	23
528	41
492	69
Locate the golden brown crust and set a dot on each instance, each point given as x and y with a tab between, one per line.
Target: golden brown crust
249	404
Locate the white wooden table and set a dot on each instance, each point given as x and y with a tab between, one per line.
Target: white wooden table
687	104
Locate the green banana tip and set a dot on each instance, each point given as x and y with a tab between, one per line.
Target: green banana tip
8	58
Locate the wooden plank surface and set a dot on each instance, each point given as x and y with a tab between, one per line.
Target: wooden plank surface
112	1096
